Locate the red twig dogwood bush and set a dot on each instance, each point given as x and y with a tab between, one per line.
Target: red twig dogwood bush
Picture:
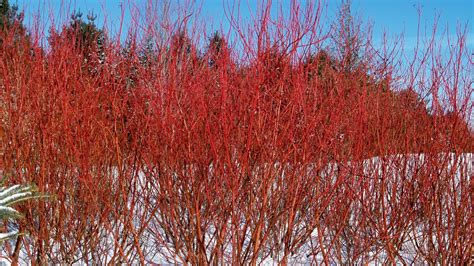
280	142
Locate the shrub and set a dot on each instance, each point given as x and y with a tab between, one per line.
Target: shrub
263	146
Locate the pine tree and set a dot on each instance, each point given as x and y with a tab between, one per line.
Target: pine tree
86	37
11	22
10	196
347	38
216	49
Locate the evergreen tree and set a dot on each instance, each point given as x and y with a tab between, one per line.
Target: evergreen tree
11	22
86	38
9	15
347	38
148	53
10	196
217	49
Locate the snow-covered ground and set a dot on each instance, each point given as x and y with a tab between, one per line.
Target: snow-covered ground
401	167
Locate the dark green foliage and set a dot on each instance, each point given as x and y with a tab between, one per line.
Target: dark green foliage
181	46
13	195
217	48
11	23
148	53
9	15
86	38
347	39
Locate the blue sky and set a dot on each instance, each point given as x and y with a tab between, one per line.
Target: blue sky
394	16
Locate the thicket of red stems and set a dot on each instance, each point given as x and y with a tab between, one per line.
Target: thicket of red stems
274	149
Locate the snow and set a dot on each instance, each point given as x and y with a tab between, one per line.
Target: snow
401	166
7	235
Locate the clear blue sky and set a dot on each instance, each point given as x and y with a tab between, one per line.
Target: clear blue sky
393	16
